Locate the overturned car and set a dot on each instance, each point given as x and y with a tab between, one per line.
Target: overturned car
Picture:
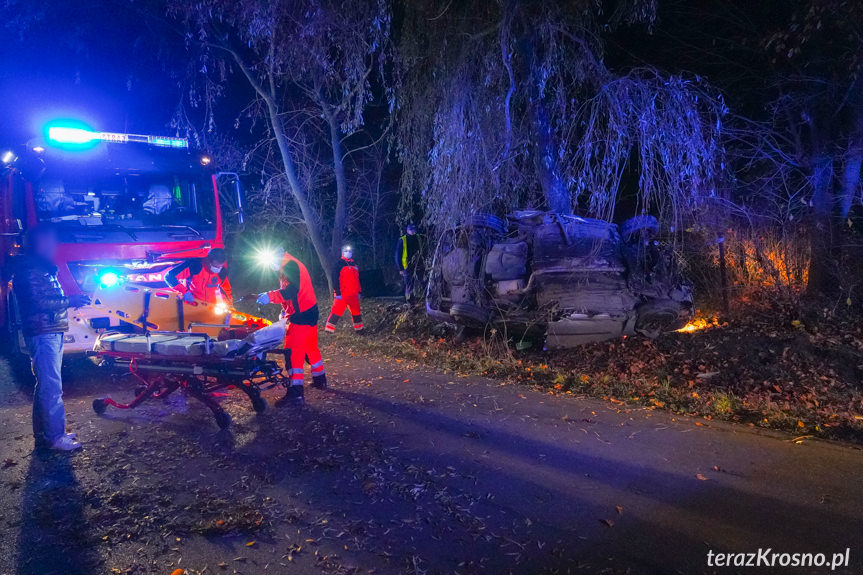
575	280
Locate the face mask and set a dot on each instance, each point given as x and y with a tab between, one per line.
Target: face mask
347	254
216	269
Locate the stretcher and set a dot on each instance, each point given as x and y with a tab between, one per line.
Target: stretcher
161	362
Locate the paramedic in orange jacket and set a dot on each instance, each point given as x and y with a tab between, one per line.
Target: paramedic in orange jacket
347	290
204	279
300	306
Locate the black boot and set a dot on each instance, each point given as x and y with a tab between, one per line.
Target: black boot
293	396
320	381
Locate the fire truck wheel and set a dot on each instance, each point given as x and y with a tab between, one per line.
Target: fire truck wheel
99	406
223	419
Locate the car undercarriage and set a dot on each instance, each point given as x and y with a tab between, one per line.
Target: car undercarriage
574	280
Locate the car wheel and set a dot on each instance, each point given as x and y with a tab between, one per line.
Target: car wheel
657	317
468	314
489	221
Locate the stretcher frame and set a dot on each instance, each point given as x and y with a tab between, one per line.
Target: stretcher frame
199	376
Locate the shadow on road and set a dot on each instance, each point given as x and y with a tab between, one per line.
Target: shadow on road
54	537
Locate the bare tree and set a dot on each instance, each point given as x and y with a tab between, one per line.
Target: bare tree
511	104
309	66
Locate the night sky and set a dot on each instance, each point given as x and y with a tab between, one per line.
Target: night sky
45	78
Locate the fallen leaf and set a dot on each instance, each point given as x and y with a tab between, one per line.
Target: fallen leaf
701	477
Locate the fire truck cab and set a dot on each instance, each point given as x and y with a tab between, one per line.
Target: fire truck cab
126	209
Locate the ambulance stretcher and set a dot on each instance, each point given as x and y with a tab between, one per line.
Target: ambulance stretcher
161	362
240	351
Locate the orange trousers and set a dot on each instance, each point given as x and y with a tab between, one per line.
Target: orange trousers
351	302
302	340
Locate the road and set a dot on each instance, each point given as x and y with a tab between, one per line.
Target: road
399	469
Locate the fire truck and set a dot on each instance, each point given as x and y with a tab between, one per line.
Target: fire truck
126	208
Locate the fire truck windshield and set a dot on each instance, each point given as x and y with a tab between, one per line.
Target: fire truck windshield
140	202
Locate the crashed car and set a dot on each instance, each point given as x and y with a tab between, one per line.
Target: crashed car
573	280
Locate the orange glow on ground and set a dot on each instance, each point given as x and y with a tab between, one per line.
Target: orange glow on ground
698	324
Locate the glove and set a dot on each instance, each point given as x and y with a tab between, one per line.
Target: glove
188	297
401	272
338	296
263	299
79	300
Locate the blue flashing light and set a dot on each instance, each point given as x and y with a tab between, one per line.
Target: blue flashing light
71	135
109	279
74	135
63	135
167	142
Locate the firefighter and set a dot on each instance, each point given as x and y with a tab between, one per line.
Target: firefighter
408	259
300	306
347	290
203	279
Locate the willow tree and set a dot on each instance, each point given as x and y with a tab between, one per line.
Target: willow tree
510	103
308	67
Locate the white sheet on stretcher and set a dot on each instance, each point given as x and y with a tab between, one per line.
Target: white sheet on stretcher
159	343
180	344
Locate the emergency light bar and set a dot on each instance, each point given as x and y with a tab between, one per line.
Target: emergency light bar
67	135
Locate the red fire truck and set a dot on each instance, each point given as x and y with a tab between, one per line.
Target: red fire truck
126	208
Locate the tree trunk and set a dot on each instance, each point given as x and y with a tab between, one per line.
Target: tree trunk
555	191
822	263
341	215
850	179
310	216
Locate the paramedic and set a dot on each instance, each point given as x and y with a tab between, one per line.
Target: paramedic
408	259
347	290
300	306
44	320
206	279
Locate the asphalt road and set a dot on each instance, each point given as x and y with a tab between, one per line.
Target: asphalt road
400	470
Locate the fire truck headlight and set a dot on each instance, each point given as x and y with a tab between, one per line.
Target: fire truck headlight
109	279
8	157
220	309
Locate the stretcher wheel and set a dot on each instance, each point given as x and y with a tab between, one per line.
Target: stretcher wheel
223	419
259	404
99	406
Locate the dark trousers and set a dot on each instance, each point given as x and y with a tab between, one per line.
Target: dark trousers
409	279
